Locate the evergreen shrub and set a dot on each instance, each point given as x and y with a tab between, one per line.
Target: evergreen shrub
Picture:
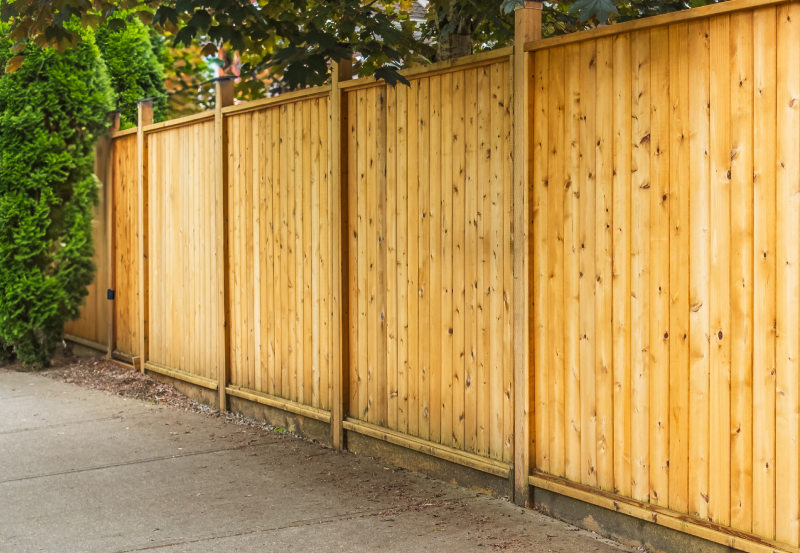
52	110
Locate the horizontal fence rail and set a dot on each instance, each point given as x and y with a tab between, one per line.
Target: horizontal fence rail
572	263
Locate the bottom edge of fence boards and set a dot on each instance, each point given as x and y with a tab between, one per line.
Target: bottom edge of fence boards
86	343
182	375
661	516
456	456
279	403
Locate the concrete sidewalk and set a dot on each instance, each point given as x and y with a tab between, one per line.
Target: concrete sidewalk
82	470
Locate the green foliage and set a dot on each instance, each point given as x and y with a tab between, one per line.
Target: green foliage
52	110
134	68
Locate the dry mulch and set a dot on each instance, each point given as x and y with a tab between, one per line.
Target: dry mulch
119	379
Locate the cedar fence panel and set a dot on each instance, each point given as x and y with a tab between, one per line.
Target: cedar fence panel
429	195
280	240
181	280
666	211
91	328
126	246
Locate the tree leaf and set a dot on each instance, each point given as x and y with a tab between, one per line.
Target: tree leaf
14	63
391	76
209	49
586	9
508	6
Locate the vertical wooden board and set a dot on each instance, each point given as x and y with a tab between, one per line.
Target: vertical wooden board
244	241
459	234
472	315
787	406
425	285
181	201
287	259
134	253
353	180
719	508
372	194
164	215
496	265
413	286
267	269
446	231
555	259
212	305
158	242
381	322
621	263
158	193
587	259
154	267
390	257
507	274
699	261
189	280
240	239
233	250
659	266
279	253
196	269
174	250
256	163
306	343
679	261
604	382
288	189
572	309
262	212
403	330
741	424
324	265
316	322
484	253
640	265
301	180
202	296
296	249
363	329
250	248
434	252
539	237
764	244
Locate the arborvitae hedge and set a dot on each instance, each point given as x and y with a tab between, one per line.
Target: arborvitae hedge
134	70
52	110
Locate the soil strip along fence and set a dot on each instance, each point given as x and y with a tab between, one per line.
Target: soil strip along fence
572	264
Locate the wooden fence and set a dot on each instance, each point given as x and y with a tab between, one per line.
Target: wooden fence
573	262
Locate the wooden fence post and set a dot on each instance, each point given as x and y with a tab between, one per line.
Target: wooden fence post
342	71
527	27
108	183
225	93
145	118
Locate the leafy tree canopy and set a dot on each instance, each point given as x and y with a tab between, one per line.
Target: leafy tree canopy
294	39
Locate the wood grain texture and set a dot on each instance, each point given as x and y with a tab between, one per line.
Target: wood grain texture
741	422
787	286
